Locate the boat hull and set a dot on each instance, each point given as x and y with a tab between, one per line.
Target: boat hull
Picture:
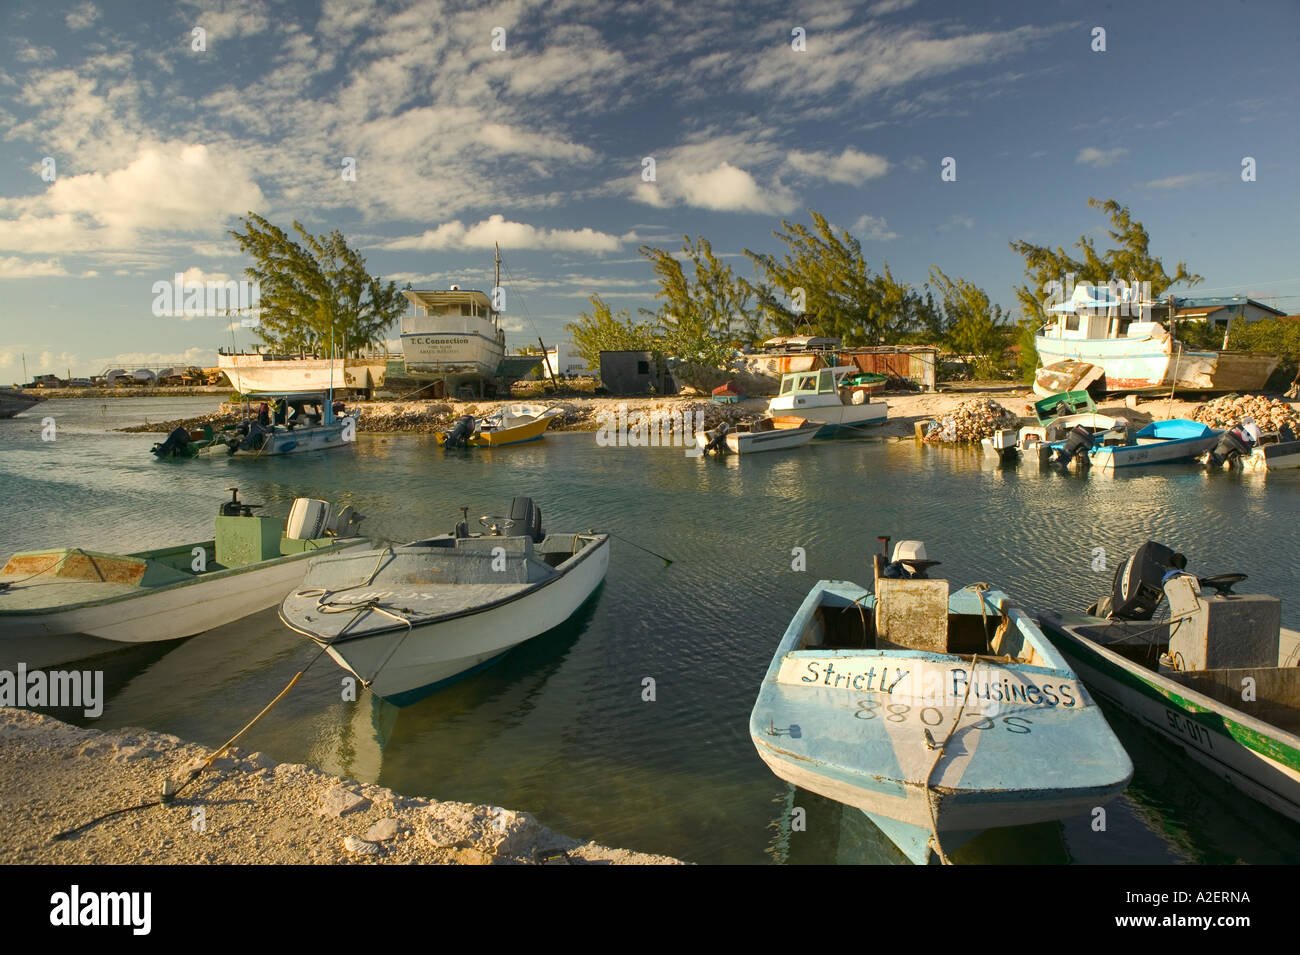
153	615
1273	457
403	666
1258	759
1151	364
320	438
1161	452
472	351
264	374
836	420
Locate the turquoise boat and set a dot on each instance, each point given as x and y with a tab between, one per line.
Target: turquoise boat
938	715
1160	442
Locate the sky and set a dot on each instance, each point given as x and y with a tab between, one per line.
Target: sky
135	134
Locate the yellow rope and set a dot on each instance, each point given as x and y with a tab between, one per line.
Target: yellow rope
931	797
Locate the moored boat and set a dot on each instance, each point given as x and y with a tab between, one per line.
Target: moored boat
1160	442
1220	677
408	619
938	715
286	424
816	395
67	603
14	402
766	434
512	424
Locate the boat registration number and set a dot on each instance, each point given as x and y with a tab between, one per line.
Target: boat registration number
1187	728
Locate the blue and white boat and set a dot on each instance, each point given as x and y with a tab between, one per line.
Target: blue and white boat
816	396
938	715
1160	442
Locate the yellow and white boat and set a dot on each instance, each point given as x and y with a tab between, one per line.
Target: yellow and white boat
512	424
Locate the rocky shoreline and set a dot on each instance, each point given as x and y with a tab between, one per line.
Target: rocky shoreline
245	809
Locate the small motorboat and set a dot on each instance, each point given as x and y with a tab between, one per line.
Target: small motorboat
289	423
14	402
938	715
1247	448
1160	442
69	603
1060	413
408	619
817	396
1219	676
512	424
765	434
184	443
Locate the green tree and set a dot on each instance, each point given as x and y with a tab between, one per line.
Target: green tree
704	316
603	330
317	289
972	324
841	296
1130	260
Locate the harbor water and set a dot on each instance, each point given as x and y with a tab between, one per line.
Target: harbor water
629	724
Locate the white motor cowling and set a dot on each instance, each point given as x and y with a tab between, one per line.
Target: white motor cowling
308	519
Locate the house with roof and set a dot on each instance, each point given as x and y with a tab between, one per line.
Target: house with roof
1221	311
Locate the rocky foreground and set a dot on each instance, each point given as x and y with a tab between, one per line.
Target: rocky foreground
245	809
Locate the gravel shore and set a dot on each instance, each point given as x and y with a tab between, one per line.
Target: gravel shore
245	809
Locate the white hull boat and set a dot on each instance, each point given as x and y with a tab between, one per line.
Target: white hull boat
1273	456
766	434
408	619
816	396
68	603
265	373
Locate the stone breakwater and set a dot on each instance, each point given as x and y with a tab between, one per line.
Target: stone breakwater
245	809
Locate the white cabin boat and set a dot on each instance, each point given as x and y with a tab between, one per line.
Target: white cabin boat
816	396
452	332
1116	331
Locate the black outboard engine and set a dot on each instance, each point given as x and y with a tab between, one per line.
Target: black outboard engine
1234	444
1139	583
718	442
1078	442
528	518
175	444
460	432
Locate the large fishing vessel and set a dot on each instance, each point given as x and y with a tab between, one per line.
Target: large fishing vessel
1127	338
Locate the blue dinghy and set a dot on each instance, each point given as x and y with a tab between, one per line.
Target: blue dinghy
938	715
1160	442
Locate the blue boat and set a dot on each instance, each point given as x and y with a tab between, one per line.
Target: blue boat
938	715
1160	442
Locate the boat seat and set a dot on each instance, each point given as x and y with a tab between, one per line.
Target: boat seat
912	615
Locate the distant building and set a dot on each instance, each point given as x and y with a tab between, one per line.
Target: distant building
562	361
634	373
1221	311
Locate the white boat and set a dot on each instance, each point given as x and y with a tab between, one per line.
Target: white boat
68	603
1218	678
939	716
765	434
454	332
268	373
816	396
1160	442
1272	454
14	402
1060	413
1116	332
285	424
406	620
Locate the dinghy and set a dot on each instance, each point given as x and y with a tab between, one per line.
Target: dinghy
408	619
1160	442
938	715
286	424
1219	677
68	603
513	424
765	434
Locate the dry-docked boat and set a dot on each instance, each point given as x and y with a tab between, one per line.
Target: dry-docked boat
1117	332
513	424
407	619
938	715
816	395
68	603
13	401
1219	677
765	434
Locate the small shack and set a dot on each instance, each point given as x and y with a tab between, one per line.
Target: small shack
634	373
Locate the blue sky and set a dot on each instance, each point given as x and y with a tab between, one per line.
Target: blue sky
159	147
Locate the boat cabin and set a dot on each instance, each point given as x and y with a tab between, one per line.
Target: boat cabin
1097	311
447	305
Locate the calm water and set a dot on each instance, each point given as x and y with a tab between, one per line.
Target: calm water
559	727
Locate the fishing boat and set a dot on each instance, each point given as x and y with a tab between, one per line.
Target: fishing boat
265	372
938	715
766	434
408	619
512	424
816	395
286	424
1118	332
1219	677
14	402
1160	442
1061	413
1272	455
67	603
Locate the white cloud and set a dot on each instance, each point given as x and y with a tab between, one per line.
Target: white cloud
873	228
1179	182
81	16
885	7
226	19
728	188
955	222
13	267
512	235
1092	156
850	166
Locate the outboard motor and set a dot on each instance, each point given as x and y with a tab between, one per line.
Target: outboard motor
1078	442
175	444
718	442
528	518
909	562
1139	583
460	432
1234	444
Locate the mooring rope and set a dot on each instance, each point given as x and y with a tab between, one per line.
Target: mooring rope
931	797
